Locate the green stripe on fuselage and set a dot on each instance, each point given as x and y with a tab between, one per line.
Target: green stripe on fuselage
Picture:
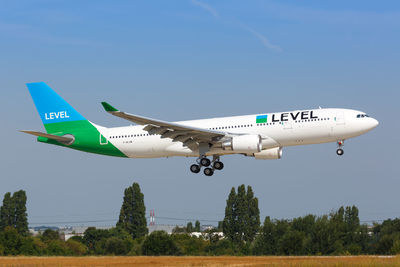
87	137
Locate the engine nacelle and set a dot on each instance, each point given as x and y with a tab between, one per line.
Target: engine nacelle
272	153
250	143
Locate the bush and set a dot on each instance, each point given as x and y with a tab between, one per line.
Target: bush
11	241
116	246
49	234
57	248
77	238
94	239
159	243
27	246
190	245
136	248
354	249
222	247
40	246
76	248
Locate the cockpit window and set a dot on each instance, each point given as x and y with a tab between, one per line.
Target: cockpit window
362	115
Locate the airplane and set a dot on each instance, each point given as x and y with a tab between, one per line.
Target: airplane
261	136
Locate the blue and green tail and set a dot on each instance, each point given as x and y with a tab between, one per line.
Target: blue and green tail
61	119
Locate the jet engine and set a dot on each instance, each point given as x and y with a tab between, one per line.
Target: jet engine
250	143
272	153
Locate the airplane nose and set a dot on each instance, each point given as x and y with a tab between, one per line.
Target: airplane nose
374	123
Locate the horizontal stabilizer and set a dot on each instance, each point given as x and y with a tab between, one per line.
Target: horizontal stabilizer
61	139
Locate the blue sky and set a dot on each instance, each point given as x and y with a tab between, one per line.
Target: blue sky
177	60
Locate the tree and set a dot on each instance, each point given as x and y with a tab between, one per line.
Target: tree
266	242
7	212
352	225
50	234
20	217
229	222
242	213
242	216
132	216
253	217
197	226
13	212
92	238
189	227
179	230
291	243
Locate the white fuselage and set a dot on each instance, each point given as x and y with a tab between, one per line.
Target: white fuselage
299	127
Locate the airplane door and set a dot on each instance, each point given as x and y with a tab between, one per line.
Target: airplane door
103	140
339	118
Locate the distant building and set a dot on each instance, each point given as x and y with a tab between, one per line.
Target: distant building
206	227
161	227
206	235
40	229
69	232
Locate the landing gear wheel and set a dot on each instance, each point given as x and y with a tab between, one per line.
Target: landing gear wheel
208	171
339	151
218	165
195	168
205	162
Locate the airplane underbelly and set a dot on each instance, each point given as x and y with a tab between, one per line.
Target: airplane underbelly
303	135
153	148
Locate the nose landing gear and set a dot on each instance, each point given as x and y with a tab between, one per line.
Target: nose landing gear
340	151
202	161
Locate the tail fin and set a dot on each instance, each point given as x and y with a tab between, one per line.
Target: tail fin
53	110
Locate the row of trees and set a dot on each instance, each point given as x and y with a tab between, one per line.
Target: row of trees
337	233
188	229
332	234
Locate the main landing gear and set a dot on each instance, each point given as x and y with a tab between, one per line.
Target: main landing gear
340	151
216	164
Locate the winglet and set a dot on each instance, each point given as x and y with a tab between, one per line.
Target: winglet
108	107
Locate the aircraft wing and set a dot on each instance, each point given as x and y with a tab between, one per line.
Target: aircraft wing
189	136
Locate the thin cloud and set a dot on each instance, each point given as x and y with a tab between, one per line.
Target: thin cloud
264	40
206	7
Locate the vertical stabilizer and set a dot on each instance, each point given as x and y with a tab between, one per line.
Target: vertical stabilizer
62	122
50	106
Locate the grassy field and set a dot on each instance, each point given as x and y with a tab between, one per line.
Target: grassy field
201	261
